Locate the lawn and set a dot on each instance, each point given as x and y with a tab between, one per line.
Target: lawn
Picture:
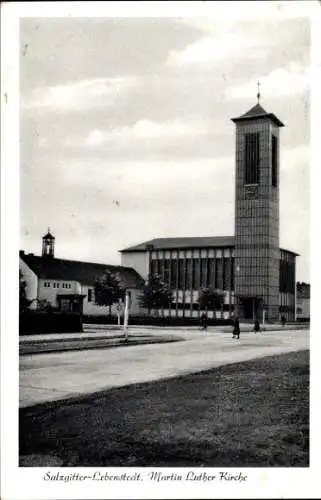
252	414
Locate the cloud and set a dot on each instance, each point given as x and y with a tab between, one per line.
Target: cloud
292	80
154	176
78	96
147	130
214	48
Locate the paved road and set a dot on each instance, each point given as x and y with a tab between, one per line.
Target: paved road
55	376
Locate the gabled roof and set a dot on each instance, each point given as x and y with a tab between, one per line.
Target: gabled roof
258	112
85	273
187	242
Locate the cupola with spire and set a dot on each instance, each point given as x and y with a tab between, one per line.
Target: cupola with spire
48	245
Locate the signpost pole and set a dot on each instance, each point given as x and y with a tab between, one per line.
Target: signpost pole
118	313
126	315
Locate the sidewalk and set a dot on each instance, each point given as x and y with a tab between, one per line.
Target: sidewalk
73	336
114	331
54	343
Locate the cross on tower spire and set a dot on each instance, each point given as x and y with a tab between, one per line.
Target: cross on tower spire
258	92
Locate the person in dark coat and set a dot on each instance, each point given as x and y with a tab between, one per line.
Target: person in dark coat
204	321
236	329
257	326
283	320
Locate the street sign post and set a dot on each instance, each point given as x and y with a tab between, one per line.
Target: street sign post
119	309
126	315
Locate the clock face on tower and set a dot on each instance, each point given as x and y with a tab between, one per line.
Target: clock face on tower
251	192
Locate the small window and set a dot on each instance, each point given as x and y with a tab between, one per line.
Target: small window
54	285
58	285
90	294
48	284
44	284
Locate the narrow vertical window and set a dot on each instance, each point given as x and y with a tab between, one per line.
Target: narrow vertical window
203	282
226	273
193	274
153	267
90	295
252	159
274	161
166	270
210	283
173	273
189	274
197	270
160	268
232	273
219	273
181	274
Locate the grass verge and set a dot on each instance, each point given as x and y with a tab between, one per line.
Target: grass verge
252	414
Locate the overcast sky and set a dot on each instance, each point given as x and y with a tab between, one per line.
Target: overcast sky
138	111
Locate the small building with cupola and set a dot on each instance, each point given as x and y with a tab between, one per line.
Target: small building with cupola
69	285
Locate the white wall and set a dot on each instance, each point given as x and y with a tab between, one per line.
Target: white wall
138	261
50	293
31	283
304	305
90	308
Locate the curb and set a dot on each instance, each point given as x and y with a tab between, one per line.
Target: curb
109	345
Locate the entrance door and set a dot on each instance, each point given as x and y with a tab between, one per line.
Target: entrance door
77	305
252	308
248	308
65	305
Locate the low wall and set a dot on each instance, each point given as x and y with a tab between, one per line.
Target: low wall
32	322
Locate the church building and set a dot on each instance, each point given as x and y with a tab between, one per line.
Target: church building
255	276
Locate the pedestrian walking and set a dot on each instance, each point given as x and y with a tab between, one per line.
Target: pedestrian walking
283	320
257	327
236	329
203	321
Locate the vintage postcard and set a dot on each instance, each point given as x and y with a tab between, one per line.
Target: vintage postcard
156	273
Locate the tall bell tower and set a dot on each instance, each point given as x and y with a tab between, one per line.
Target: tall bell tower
257	252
